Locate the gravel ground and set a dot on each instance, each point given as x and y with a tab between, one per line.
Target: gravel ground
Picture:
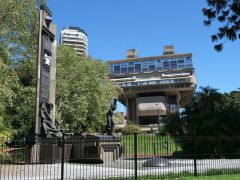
119	168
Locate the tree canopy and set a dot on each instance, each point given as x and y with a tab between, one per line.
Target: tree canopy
227	13
18	32
84	91
211	114
18	44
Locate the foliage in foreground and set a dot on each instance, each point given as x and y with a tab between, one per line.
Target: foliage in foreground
210	114
83	93
227	13
18	45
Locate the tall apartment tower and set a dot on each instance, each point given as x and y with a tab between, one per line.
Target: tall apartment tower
76	38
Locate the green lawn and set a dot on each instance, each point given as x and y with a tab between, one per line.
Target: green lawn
184	177
219	177
150	144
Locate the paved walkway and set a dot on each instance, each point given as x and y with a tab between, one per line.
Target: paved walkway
120	168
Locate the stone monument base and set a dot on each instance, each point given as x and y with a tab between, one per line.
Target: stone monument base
47	150
95	148
88	148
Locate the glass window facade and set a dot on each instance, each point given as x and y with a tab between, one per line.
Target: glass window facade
151	65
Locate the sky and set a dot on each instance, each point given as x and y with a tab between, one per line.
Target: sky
113	26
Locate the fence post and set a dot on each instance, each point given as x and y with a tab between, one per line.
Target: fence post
195	154
62	158
135	154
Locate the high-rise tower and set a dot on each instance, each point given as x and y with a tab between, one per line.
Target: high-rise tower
76	38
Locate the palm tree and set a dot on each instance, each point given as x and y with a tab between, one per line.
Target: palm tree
208	99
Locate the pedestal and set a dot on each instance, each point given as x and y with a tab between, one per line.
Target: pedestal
47	150
95	148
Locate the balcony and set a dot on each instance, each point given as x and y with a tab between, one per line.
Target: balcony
154	82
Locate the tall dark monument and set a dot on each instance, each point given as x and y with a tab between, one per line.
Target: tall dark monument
46	133
46	75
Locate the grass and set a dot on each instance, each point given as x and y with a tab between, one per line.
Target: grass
214	174
149	145
182	177
218	177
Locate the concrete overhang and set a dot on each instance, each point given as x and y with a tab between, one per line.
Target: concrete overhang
151	106
152	109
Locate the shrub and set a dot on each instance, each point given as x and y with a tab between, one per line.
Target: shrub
162	130
174	125
130	128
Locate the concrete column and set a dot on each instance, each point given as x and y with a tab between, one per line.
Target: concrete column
132	110
178	101
127	106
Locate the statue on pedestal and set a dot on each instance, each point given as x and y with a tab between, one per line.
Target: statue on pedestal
110	123
48	126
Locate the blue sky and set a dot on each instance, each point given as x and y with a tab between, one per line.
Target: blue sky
113	26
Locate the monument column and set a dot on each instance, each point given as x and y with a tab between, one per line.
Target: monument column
46	65
46	82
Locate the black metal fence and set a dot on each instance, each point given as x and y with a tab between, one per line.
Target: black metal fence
133	156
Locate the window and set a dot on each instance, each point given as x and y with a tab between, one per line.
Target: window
117	69
188	62
159	65
131	67
145	67
123	84
180	63
138	67
137	83
111	69
152	65
173	64
124	68
166	65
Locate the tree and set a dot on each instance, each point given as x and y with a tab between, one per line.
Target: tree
210	114
17	96
18	45
83	92
8	81
18	28
227	13
200	115
175	125
208	99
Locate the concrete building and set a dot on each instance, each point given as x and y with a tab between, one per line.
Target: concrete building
154	87
76	38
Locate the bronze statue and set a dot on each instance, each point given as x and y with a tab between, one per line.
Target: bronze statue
110	123
48	127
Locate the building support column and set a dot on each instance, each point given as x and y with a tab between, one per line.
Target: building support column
178	100
127	106
131	110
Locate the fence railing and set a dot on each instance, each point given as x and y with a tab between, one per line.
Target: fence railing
96	156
